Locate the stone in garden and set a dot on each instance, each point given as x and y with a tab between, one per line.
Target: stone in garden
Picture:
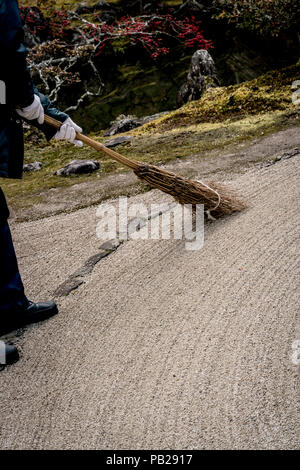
202	75
77	167
101	4
123	124
191	5
127	123
35	166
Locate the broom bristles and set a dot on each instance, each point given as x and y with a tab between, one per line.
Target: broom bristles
216	198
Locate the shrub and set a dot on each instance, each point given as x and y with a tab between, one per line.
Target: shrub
271	18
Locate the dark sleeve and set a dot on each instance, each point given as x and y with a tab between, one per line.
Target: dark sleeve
13	53
49	109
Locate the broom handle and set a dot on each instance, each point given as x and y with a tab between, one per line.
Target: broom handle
96	145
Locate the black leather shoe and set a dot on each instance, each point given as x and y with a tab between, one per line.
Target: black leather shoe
38	312
11	355
33	313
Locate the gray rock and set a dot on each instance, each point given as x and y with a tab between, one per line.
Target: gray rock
78	277
78	167
123	124
35	166
111	245
101	4
191	5
117	141
202	75
68	286
127	123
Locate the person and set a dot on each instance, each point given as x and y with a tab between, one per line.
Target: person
22	101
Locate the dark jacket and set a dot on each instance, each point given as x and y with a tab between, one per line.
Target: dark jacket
20	91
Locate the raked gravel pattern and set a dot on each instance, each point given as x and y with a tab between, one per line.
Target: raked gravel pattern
160	347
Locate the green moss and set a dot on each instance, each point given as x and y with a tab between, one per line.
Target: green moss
173	3
269	92
120	45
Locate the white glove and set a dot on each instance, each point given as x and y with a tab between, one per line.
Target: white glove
68	132
34	111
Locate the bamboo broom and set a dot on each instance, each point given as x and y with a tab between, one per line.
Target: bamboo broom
218	200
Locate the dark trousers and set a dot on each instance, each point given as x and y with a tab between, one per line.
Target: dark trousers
12	297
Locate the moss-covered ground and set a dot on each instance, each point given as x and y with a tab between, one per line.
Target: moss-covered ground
269	92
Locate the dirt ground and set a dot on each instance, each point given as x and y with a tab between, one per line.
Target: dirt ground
158	347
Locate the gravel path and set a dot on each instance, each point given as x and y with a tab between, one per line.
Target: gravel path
160	347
